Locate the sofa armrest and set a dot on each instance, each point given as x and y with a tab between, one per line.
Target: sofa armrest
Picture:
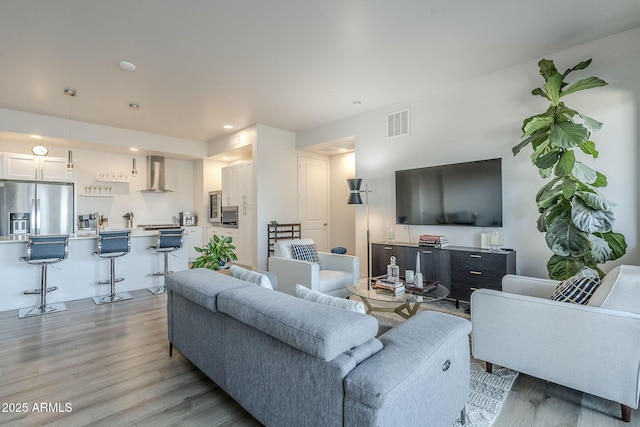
292	271
339	262
425	357
591	349
531	286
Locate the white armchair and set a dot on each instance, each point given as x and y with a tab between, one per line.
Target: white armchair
593	348
338	271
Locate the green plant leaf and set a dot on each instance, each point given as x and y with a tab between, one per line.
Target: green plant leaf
595	200
589	147
565	239
600	250
552	87
616	242
561	268
547	68
588	83
601	180
584	173
569	188
564	113
548	160
591	220
539	91
580	66
565	164
590	123
539	123
568	135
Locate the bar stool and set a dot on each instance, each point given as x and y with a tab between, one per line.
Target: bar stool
42	251
169	240
111	245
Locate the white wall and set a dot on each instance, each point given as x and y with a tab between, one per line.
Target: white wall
481	119
342	216
276	183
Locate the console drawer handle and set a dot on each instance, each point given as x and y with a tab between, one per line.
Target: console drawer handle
475	256
475	272
426	252
473	289
387	248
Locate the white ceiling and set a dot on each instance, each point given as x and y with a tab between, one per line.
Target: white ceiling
291	64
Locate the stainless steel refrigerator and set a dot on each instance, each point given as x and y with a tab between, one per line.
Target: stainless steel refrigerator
36	208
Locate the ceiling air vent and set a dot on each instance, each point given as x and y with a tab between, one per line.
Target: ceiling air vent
398	124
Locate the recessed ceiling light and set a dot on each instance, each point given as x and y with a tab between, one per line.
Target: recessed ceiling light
35	137
133	149
227	127
226	159
357	103
127	66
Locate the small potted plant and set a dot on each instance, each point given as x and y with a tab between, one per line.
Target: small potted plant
215	254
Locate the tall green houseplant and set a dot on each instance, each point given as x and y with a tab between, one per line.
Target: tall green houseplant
577	219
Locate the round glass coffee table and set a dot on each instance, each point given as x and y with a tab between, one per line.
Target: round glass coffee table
408	302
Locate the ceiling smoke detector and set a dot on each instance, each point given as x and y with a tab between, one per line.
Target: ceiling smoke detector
127	66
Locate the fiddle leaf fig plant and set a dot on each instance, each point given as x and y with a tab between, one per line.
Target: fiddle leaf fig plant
577	219
216	253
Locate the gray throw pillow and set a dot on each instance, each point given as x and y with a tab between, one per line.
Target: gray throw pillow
343	303
250	276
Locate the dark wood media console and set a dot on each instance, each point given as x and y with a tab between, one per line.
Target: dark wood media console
460	269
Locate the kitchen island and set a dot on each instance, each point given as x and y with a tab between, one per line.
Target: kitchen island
77	276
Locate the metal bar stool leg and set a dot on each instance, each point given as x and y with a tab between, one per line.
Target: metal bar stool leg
157	290
42	308
113	296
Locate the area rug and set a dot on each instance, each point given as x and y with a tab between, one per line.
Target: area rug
488	391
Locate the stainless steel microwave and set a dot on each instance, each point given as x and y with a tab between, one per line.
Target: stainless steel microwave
230	216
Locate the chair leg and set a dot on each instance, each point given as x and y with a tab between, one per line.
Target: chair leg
113	296
626	413
157	290
489	367
43	307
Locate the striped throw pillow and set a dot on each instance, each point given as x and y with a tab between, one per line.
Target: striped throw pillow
579	288
305	253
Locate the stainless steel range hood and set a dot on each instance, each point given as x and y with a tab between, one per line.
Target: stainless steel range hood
155	175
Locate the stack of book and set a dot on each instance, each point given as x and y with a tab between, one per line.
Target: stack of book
433	240
389	287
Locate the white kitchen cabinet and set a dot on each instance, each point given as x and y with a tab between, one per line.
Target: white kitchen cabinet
237	185
193	237
36	168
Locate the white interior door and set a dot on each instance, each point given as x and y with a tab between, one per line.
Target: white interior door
313	199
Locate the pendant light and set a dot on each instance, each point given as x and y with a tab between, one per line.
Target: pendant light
71	93
134	107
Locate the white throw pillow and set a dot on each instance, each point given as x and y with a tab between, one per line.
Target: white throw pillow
250	276
343	303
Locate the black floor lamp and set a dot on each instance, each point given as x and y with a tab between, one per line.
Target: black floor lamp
355	199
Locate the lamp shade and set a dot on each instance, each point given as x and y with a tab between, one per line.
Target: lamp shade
354	191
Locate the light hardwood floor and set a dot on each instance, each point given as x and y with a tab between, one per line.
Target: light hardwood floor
111	364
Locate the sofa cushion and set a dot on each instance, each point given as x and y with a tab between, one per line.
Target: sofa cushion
317	329
306	253
625	291
202	285
250	276
330	280
578	288
315	296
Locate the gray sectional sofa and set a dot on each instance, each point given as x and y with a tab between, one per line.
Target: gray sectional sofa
292	362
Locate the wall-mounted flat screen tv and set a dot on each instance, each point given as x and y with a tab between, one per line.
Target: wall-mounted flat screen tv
455	194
